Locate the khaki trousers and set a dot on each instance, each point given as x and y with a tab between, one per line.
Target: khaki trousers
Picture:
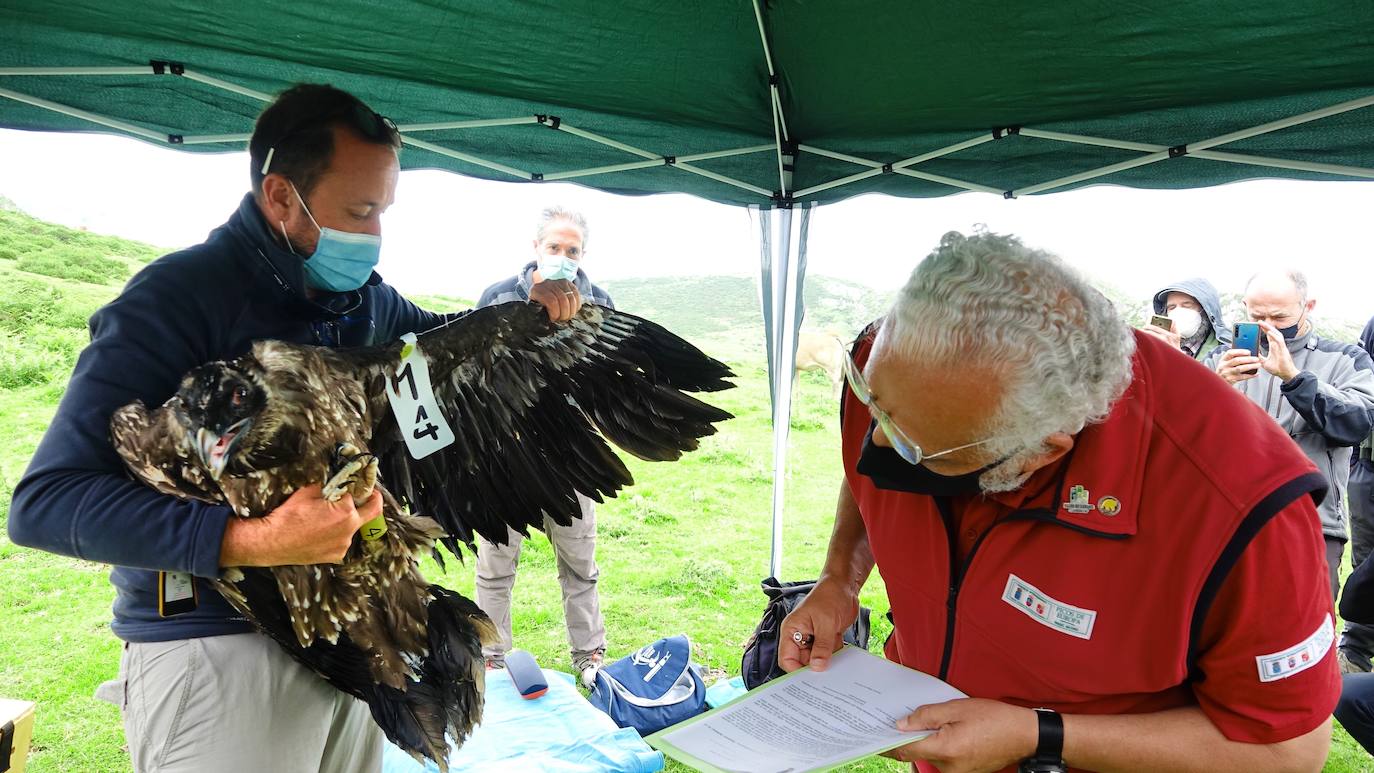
229	704
575	548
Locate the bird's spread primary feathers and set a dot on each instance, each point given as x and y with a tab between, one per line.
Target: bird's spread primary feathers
529	402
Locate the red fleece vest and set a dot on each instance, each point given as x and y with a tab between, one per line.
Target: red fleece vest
1134	575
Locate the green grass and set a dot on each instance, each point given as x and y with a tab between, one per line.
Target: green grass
680	552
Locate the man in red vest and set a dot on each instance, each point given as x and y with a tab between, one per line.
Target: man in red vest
1117	558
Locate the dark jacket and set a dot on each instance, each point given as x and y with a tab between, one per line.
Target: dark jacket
205	303
517	288
1357	597
1325	409
1217	333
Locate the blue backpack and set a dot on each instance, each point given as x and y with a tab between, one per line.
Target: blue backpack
654	688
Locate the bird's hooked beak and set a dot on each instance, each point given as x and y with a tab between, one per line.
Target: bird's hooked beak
216	449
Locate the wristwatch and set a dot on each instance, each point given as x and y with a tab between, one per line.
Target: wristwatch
1049	751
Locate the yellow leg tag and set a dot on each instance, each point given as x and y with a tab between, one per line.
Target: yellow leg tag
374	529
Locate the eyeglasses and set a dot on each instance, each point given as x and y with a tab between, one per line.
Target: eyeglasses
901	443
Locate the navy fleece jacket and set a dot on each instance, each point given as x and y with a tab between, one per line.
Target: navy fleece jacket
205	303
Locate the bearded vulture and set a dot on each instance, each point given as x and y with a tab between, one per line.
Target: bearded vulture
522	401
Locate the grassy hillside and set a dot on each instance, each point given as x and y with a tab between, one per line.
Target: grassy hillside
680	552
698	306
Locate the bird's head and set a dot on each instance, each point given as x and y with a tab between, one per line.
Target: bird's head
222	402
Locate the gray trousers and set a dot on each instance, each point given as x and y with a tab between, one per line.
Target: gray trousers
227	704
1358	640
575	548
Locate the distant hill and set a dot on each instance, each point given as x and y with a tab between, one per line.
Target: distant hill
57	251
8	206
697	306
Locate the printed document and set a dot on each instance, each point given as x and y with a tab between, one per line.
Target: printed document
808	721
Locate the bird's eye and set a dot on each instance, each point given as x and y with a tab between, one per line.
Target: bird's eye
239	395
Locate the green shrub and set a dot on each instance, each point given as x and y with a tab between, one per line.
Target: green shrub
27	302
68	261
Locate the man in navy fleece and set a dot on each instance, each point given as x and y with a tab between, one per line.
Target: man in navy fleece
199	690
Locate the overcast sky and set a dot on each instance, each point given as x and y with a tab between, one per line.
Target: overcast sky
453	235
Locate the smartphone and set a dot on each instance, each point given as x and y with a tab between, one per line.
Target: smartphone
1162	321
1248	336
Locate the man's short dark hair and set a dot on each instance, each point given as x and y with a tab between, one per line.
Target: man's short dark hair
297	129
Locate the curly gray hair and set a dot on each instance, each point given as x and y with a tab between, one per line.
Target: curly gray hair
990	301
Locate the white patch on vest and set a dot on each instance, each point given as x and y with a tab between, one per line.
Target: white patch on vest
1065	618
1300	657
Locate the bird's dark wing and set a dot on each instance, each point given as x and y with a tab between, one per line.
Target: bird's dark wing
525	398
156	449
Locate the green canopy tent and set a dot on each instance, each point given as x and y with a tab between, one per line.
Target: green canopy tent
772	104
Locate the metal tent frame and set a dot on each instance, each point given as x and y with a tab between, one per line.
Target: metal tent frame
783	235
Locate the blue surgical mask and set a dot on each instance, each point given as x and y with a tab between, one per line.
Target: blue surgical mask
557	267
342	261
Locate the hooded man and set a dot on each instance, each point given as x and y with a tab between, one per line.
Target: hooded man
1195	308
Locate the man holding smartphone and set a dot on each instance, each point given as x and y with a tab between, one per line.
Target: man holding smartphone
1320	392
1192	311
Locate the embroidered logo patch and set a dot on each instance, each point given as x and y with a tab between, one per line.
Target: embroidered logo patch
1300	657
1065	618
1079	502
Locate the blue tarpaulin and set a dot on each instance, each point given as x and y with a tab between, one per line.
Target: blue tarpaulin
559	733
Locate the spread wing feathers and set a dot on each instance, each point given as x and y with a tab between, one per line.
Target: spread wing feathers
447	698
158	452
525	399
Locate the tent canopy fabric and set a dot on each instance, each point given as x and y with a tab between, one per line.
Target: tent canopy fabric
859	85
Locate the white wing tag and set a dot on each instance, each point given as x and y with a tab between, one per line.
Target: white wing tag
412	401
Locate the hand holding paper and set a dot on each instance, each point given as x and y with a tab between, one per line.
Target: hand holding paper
973	734
808	720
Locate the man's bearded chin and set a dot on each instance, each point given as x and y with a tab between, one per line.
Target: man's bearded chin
301	240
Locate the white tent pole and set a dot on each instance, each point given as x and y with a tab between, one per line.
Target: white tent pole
209	139
140	70
1082	139
113	123
815	151
1282	123
1283	163
900	167
782	379
480	123
723	153
1091	174
775	102
604	169
1210	155
945	151
782	117
950	181
837	183
471	159
1201	146
226	86
722	178
777	138
607	141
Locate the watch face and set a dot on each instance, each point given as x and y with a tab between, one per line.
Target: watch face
1042	766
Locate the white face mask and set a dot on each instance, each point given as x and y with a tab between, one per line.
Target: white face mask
1186	321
